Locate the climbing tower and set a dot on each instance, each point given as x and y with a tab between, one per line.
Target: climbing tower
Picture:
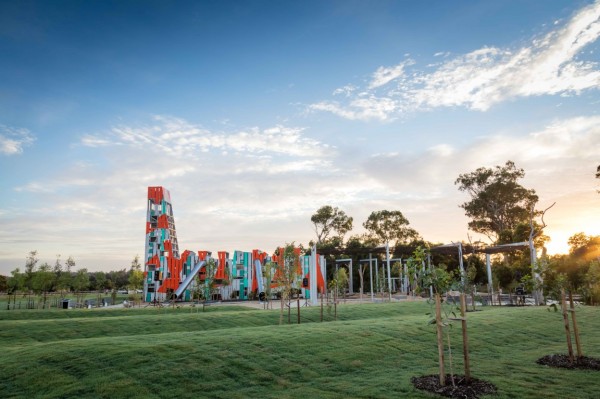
163	265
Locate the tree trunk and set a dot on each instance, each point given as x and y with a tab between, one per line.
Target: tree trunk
335	305
575	328
440	338
361	276
566	321
298	303
281	310
463	313
321	306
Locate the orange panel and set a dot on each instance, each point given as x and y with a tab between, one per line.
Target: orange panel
156	194
220	274
320	281
154	261
163	222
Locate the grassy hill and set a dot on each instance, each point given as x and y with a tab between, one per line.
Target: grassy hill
372	351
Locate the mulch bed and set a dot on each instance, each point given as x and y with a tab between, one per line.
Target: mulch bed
472	390
562	361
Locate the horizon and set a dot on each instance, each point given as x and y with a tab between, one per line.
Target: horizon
254	115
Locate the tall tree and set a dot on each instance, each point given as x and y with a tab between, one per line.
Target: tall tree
81	282
100	280
15	283
70	264
65	280
135	263
3	283
136	276
499	204
43	280
30	263
387	226
329	220
286	274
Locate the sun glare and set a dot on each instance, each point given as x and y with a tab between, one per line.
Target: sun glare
559	239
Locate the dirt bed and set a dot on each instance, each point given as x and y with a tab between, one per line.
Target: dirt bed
562	361
461	389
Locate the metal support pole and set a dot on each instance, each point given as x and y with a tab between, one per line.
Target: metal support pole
405	278
371	276
460	262
429	269
488	264
387	255
313	276
538	295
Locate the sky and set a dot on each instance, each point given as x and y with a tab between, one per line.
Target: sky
253	114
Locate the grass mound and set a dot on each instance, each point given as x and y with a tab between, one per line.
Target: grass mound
372	350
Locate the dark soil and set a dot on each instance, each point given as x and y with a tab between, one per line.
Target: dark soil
562	361
472	390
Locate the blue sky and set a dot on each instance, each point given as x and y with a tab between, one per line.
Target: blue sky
254	114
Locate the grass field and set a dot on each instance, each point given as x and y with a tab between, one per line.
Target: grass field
372	351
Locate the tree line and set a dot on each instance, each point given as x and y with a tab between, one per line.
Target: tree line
42	279
498	207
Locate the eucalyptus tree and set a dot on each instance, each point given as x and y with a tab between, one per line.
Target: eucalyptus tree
30	264
386	226
498	204
331	223
389	226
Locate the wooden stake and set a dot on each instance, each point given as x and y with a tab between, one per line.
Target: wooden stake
321	306
298	302
463	307
440	338
335	304
575	328
566	320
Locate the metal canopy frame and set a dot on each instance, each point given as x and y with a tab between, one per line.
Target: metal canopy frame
488	251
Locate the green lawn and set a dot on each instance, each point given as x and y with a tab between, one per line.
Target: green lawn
372	351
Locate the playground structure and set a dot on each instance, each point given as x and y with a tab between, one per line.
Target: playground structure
247	275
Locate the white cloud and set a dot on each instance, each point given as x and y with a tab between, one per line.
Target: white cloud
93	141
177	137
442	150
345	90
549	65
12	140
384	75
360	108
